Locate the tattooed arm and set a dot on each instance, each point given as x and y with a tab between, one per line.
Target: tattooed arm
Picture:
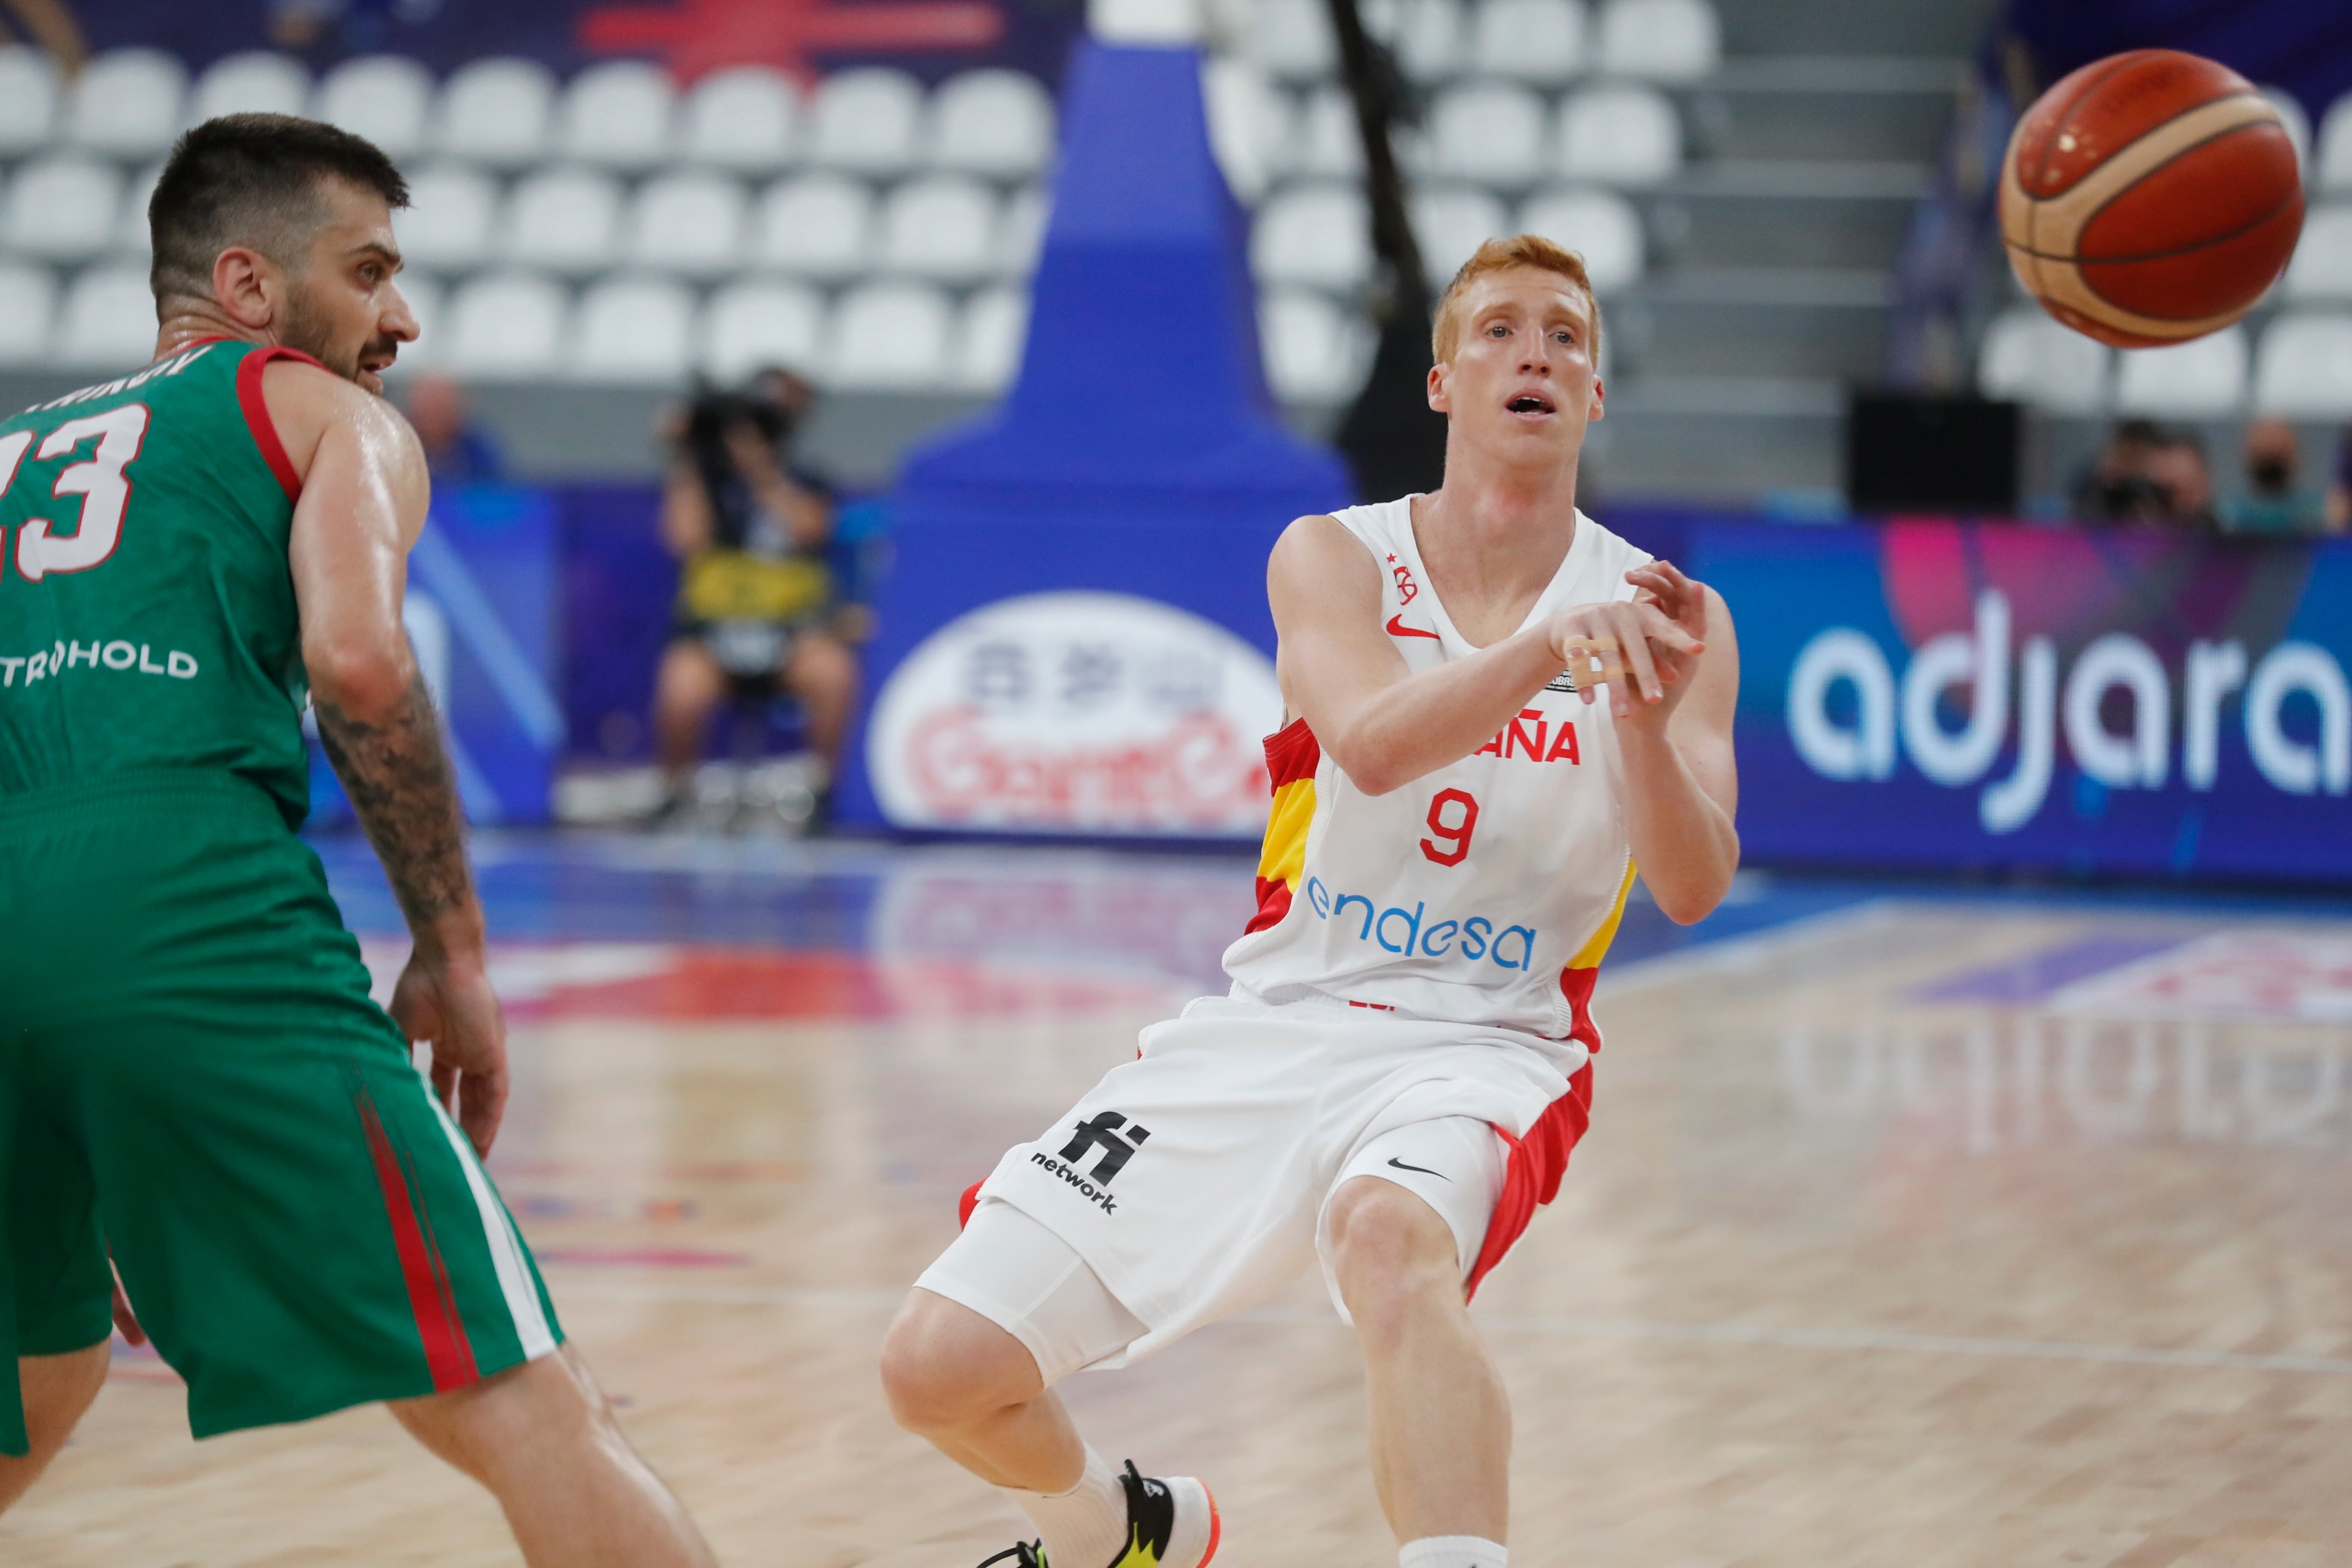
362	509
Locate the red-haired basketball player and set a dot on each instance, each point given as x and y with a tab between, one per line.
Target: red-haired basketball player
1401	1068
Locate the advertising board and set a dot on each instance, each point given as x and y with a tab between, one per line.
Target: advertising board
1941	694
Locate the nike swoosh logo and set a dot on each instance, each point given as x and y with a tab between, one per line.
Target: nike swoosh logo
1397	628
1424	1170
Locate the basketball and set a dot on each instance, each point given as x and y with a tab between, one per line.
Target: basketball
2150	197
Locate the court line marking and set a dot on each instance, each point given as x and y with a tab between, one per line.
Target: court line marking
716	1295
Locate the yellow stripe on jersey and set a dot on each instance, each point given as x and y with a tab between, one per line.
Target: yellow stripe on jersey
1590	954
1284	858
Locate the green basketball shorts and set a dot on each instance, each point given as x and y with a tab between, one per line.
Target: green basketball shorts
194	1079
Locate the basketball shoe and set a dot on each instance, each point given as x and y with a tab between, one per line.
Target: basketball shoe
1170	1523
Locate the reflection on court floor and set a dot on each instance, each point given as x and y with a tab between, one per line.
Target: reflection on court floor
1913	1227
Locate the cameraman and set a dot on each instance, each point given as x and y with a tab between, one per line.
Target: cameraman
754	592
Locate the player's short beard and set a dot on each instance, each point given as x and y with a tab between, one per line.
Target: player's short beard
310	331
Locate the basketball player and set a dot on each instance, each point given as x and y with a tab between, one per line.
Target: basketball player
192	1075
1403	1066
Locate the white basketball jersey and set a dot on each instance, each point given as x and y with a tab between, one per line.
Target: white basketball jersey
1484	892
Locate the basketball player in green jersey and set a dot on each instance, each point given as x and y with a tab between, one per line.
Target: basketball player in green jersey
193	1078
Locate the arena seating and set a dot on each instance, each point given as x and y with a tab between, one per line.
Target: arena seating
2204	377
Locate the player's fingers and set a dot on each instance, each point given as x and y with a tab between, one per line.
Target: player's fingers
126	1321
1662	629
444	1084
1633	650
485	1108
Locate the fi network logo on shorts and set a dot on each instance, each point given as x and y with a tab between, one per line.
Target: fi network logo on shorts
1100	1131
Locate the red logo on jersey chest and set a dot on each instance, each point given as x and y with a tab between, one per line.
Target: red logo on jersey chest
1518	740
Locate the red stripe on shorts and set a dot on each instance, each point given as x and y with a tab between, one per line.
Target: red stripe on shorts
431	1301
1532	1178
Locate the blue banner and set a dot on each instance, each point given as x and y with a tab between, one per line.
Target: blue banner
481	618
1946	695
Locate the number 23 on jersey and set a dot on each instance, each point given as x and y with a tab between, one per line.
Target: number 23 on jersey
99	480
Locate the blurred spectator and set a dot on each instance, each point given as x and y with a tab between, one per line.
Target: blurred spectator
2148	473
755	595
2271	504
52	25
456	450
2339	493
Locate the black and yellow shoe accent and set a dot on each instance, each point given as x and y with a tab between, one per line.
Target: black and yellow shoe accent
1170	1523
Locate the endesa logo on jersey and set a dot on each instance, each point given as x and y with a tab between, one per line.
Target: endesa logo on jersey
1077	712
1412	932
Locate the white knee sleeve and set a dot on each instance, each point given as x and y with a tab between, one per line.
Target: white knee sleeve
1029	1282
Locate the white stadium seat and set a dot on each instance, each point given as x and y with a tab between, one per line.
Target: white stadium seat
990	340
1021	234
1451	222
868	121
617	115
385	98
1600	226
890	335
127	102
2305	369
637	329
507	325
1528	40
2026	357
2206	375
1492	133
1328	143
941	228
1250	126
64	208
742	117
1313	235
131	234
1623	135
1660	40
1431	39
566	220
109	320
693	222
28	99
749	325
497	111
2322	267
2334	155
259	82
1292	39
994	122
28	303
819	226
1314	351
450	218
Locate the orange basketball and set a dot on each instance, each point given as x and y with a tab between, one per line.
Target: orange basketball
2150	197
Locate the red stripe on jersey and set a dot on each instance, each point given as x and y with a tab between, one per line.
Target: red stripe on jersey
431	1301
969	1202
1537	1162
1273	903
1292	753
257	414
1576	984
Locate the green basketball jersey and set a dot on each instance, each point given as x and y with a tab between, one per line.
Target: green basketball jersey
147	613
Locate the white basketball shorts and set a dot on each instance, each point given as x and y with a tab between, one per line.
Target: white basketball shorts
1193	1181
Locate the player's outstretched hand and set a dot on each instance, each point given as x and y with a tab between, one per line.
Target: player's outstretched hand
1655	650
449	1002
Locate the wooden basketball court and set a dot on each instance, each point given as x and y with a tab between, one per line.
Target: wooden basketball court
1912	1230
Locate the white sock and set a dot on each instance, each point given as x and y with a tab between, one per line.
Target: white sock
1085	1527
1454	1551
